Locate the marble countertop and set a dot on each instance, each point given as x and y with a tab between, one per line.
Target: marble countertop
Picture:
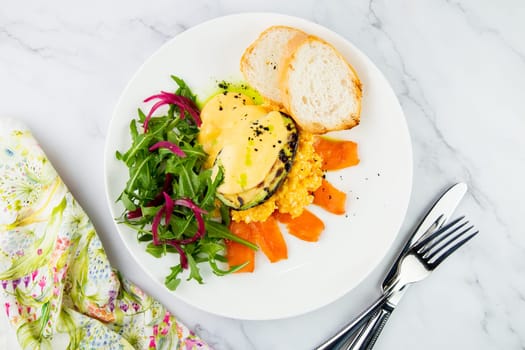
458	69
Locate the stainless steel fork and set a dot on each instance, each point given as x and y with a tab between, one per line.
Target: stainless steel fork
430	251
419	261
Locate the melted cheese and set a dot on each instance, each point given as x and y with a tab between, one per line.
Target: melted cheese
245	139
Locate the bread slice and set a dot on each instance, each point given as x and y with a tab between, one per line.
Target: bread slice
262	60
319	88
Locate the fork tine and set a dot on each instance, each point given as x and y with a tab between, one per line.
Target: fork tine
440	237
434	250
425	240
452	249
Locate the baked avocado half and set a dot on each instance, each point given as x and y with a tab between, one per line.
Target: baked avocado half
257	162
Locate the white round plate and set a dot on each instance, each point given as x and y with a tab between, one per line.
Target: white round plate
378	189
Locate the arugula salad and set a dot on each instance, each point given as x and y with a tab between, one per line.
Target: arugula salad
169	198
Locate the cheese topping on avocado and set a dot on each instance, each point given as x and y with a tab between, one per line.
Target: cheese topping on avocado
245	139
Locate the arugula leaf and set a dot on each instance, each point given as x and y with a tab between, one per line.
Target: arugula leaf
217	230
194	270
156	250
183	89
171	281
219	272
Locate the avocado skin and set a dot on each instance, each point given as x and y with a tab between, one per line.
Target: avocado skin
276	176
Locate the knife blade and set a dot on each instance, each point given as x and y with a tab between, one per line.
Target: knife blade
437	216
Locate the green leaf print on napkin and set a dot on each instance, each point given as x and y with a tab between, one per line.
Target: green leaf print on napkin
57	286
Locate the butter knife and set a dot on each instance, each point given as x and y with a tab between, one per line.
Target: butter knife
371	326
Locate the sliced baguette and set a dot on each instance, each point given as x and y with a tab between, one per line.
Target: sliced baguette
262	60
319	88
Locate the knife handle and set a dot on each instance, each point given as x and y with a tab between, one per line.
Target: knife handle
342	339
368	334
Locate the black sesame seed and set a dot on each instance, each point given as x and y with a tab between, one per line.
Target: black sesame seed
283	157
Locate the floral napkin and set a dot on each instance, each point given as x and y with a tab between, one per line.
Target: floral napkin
57	287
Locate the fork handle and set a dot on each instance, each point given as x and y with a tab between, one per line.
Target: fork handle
368	334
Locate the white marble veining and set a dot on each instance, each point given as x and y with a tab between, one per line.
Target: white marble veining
458	68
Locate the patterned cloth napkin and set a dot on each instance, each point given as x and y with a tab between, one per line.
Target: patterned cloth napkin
57	287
